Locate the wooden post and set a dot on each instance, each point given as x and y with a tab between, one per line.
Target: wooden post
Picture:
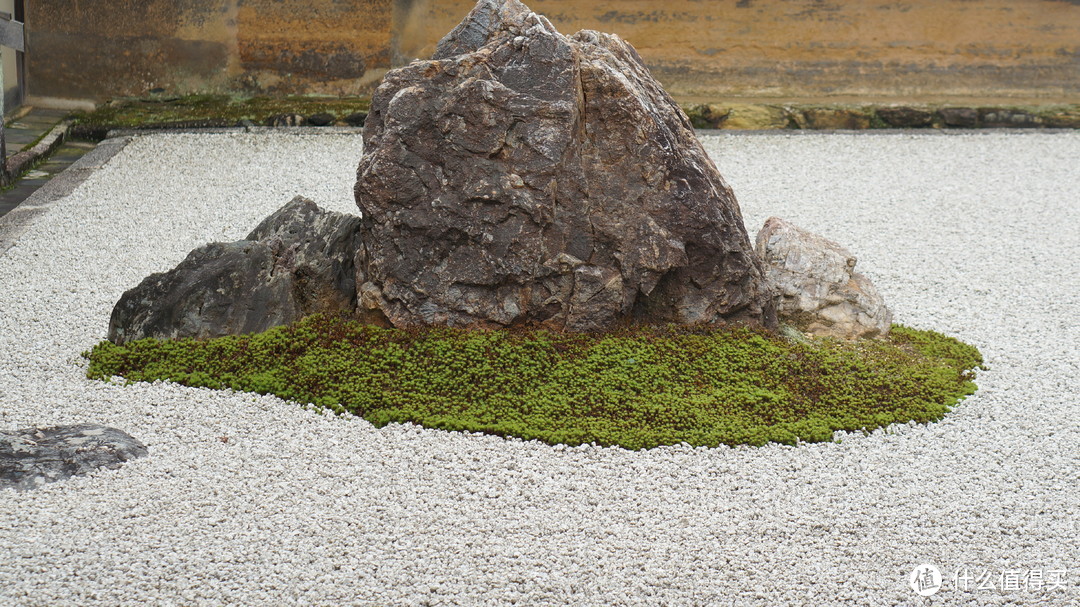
11	36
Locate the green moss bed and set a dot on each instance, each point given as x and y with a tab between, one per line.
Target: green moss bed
637	388
206	111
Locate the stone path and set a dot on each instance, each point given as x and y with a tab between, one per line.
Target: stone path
23	132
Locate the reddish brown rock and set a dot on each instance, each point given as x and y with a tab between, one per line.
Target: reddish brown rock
1066	119
522	176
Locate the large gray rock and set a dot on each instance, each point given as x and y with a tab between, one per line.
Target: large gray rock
32	457
816	286
522	176
298	261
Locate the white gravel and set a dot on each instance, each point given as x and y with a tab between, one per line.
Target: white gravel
975	235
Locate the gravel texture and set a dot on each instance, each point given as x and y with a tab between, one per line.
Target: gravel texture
250	500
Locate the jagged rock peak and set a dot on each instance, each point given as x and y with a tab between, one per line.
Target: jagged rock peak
522	176
485	20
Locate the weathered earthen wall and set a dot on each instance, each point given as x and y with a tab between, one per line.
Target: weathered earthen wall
311	46
811	48
98	50
700	49
80	49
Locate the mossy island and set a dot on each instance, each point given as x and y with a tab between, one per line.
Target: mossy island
545	251
635	388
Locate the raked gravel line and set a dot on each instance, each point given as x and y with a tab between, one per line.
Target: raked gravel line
975	235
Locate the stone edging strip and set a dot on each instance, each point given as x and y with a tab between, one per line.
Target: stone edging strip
292	130
732	114
19	219
14	223
24	159
827	117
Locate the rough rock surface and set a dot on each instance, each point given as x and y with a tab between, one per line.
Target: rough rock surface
356	119
709	116
905	117
816	286
833	119
298	261
525	176
1068	119
754	117
321	119
32	457
1001	118
963	117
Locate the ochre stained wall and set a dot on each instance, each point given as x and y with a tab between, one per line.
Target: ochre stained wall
812	48
91	49
299	46
699	49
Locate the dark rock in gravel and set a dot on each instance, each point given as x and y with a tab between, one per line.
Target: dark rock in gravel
298	261
32	457
321	119
286	120
356	119
1008	119
905	117
963	117
522	176
88	132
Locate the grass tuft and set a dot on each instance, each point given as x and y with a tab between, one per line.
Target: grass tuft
637	388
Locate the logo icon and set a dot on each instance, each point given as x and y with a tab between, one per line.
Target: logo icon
925	580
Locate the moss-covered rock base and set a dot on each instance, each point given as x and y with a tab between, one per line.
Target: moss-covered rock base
637	388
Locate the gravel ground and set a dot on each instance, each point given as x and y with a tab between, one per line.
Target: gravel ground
250	500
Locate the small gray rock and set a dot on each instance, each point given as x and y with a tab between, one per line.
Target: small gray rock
1004	118
32	457
815	284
